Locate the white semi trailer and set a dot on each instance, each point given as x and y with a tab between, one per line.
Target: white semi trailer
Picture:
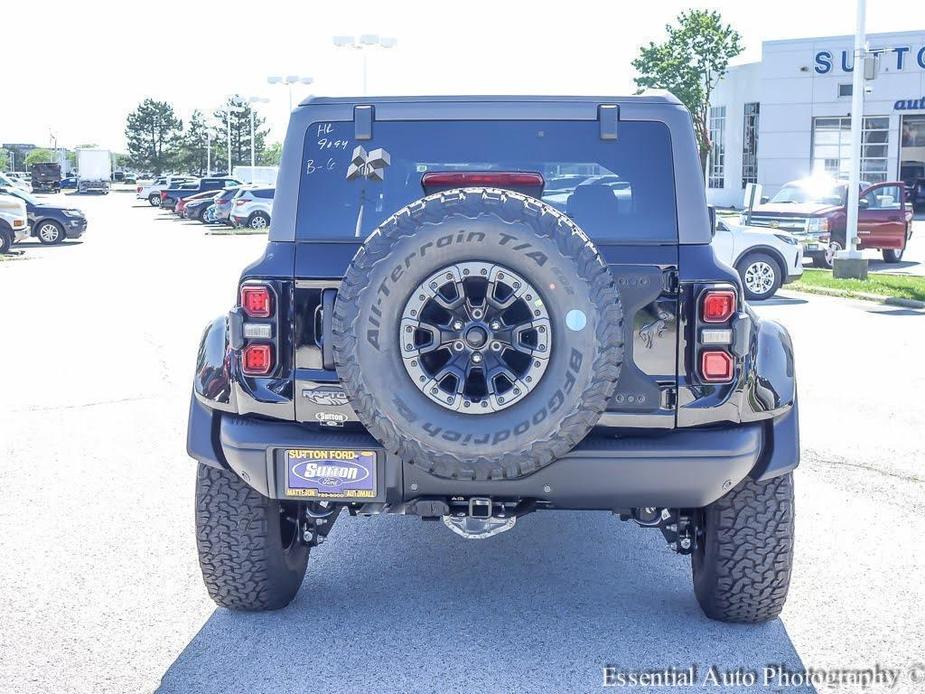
94	170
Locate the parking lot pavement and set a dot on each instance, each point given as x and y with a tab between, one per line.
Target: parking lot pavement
100	587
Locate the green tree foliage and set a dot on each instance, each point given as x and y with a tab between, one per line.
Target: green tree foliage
689	63
39	156
194	148
271	155
153	133
4	160
240	133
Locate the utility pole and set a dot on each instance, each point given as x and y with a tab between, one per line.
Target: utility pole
849	263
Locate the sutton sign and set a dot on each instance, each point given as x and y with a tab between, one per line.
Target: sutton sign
903	57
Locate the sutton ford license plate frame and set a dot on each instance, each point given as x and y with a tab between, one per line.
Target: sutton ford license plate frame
347	474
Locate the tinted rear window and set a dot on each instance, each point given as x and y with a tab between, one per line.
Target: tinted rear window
617	190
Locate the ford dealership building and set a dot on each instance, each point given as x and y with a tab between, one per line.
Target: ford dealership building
788	116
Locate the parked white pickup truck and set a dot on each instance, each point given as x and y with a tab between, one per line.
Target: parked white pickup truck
152	191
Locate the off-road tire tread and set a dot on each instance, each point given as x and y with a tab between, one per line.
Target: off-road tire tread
571	241
745	571
234	547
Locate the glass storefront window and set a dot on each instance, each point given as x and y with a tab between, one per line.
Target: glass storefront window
716	168
832	147
750	144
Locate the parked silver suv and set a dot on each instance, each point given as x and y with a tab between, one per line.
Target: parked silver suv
252	207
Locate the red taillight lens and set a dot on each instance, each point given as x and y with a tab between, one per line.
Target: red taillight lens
257	359
500	179
256	301
163	195
718	306
139	189
716	366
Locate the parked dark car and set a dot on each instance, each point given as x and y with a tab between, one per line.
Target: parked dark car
170	196
180	207
51	223
196	209
426	335
46	178
69	182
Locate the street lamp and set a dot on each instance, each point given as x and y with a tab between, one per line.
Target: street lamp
229	109
362	44
210	126
254	100
290	80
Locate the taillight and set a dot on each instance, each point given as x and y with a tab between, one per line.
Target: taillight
138	189
718	305
257	360
258	355
716	366
256	300
163	195
716	335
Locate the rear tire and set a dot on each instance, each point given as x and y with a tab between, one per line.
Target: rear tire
6	241
154	200
761	276
893	255
741	567
258	220
249	552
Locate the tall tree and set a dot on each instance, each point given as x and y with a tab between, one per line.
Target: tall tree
4	160
153	133
38	156
271	155
194	155
240	131
689	63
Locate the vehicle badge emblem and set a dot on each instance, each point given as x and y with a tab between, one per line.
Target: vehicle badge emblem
370	166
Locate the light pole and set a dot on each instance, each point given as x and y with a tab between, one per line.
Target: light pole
229	109
363	43
290	80
849	263
254	100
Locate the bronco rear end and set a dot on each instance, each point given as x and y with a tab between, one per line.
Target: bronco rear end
471	309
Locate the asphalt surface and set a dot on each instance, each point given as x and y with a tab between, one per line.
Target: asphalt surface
99	583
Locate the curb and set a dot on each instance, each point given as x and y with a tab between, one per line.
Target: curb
847	294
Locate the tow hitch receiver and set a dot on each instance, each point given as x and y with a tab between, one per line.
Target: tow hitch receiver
481	521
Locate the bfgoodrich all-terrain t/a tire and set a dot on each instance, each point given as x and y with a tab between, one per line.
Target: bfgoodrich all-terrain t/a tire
742	564
249	550
559	279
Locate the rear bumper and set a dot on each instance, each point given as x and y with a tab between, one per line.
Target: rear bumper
682	468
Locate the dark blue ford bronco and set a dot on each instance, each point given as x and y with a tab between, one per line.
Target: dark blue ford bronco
474	308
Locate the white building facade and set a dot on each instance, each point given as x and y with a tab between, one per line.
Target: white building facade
789	116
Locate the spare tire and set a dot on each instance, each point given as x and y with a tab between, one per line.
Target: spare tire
478	334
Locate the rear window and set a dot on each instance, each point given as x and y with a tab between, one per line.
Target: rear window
618	191
264	193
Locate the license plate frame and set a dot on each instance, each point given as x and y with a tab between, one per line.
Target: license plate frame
330	473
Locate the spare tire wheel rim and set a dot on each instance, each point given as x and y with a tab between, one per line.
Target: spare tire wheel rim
475	337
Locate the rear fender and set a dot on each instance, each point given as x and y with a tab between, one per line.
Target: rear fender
212	381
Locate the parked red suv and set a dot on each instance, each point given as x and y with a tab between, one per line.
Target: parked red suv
815	211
